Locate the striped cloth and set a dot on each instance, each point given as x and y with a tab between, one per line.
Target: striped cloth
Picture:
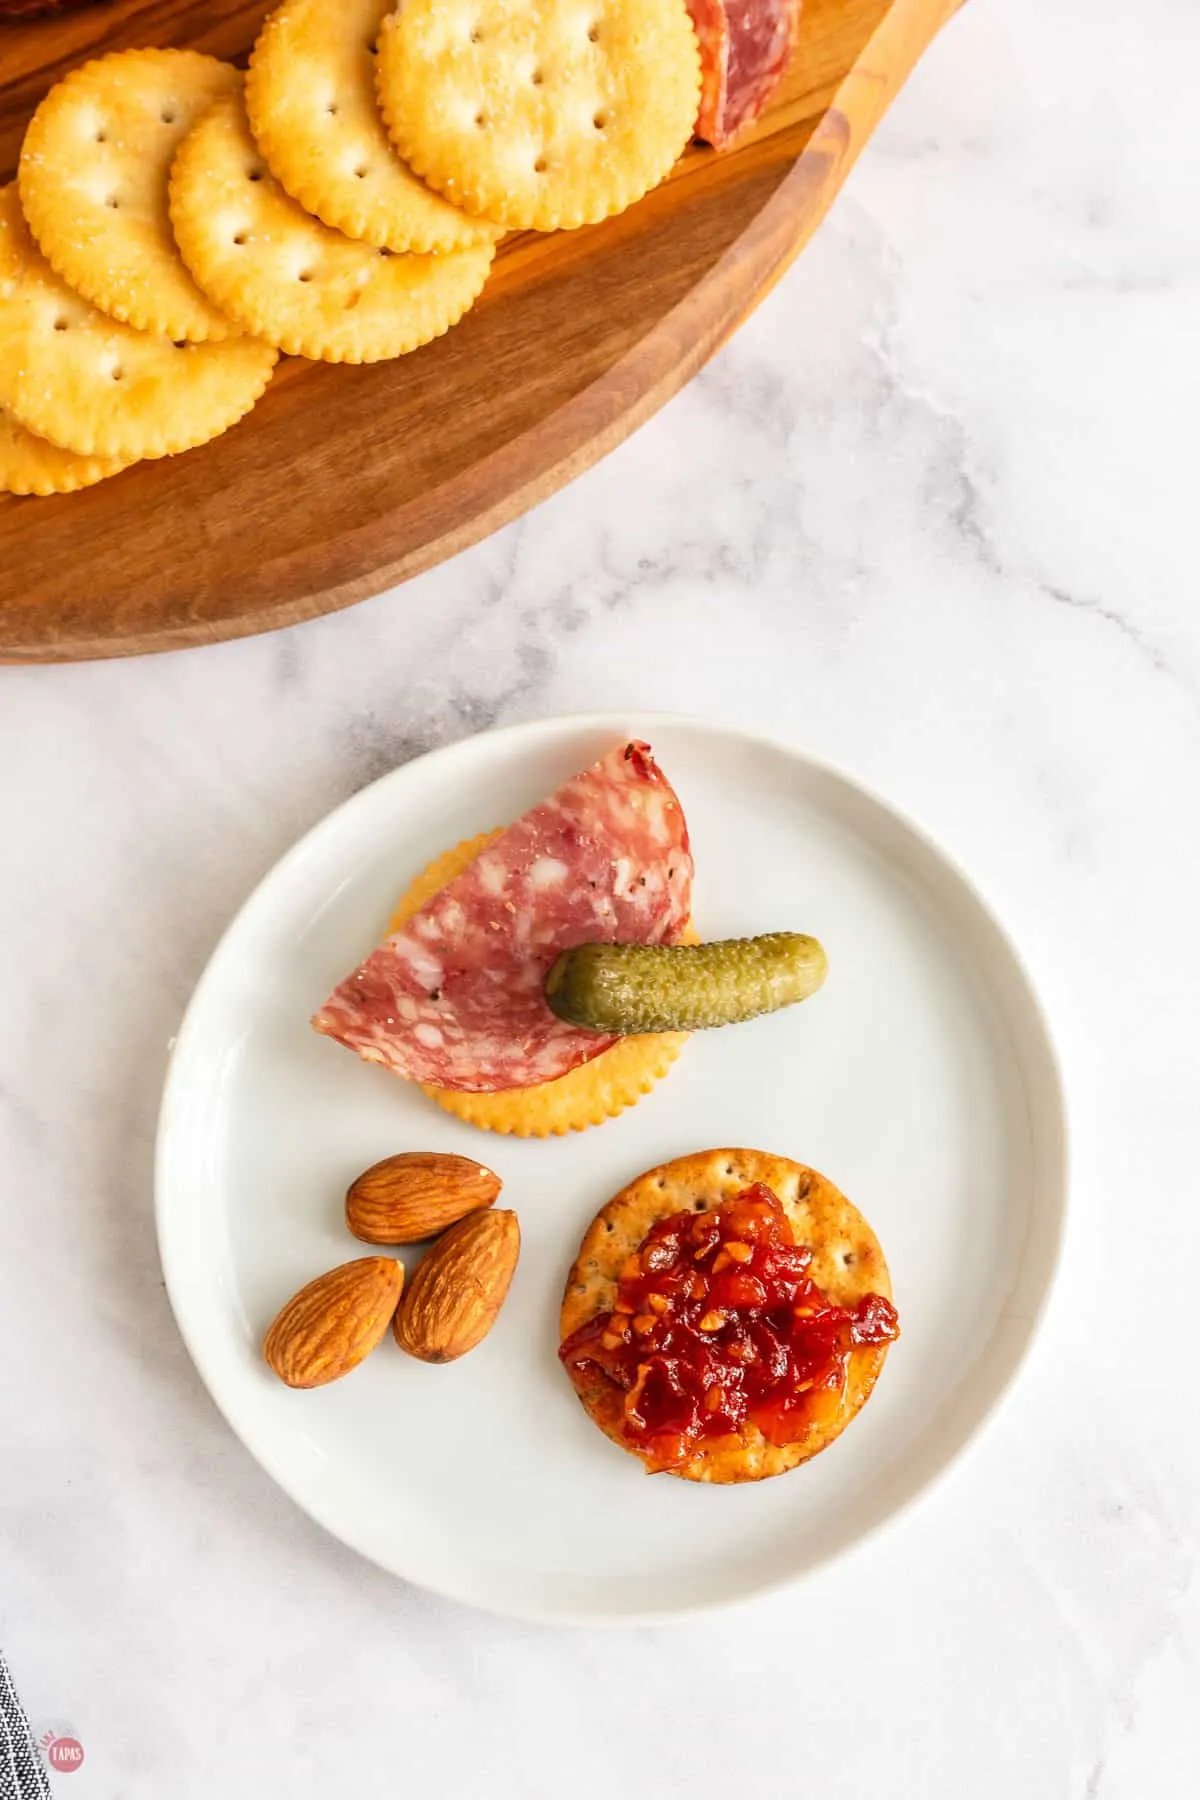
22	1773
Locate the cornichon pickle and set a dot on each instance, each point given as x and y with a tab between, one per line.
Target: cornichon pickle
683	987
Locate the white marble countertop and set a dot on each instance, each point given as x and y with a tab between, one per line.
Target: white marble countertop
933	514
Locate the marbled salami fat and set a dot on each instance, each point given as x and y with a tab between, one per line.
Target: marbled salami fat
742	64
455	998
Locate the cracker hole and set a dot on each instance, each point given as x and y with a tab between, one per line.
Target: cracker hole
332	107
352	300
118	374
609	1227
102	137
113	202
661	1183
476	35
169	115
847	1258
600	120
254	174
593	34
372	50
729	1168
481	120
539	167
384	251
537	78
304	275
240	238
60	324
180	343
361	172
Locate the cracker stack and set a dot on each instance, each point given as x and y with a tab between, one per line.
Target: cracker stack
174	226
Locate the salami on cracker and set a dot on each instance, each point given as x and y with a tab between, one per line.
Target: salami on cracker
595	1091
455	999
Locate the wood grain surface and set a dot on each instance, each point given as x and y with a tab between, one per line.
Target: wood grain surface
346	480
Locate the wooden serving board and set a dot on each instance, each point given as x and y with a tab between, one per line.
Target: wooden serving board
345	480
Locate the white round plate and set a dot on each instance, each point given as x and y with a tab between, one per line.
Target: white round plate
921	1080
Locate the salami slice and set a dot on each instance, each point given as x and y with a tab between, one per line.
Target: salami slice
455	998
712	29
743	63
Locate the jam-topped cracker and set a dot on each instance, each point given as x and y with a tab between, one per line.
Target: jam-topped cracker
727	1316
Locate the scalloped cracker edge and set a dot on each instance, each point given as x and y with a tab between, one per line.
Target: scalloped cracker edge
545	116
93	183
291	280
90	384
310	97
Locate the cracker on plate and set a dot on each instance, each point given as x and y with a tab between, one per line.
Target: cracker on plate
310	97
288	278
93	184
90	384
847	1262
588	1095
551	114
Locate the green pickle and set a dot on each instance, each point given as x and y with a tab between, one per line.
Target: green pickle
626	988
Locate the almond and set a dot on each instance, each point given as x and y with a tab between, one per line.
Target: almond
406	1198
327	1329
459	1287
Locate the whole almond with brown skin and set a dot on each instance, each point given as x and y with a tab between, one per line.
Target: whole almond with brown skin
407	1198
327	1329
459	1287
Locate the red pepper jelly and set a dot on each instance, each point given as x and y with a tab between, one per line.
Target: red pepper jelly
717	1324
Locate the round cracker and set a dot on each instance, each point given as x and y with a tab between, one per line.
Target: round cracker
543	116
32	465
310	97
93	184
92	385
847	1262
596	1091
288	278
